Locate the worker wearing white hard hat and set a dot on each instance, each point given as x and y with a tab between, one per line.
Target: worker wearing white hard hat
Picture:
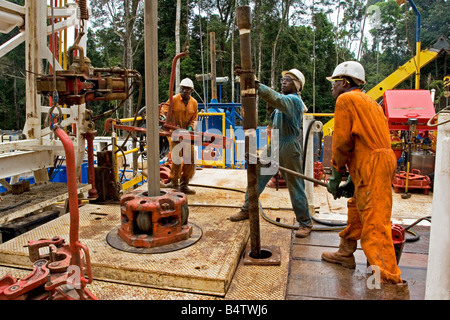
185	114
299	78
186	82
361	143
287	118
299	82
351	69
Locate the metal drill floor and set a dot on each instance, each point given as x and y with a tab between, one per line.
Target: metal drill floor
207	268
213	268
312	278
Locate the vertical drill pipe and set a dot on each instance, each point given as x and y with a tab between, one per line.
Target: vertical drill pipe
248	94
151	95
73	194
89	136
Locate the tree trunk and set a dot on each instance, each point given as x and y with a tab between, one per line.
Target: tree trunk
259	39
129	15
233	27
178	47
127	54
285	12
16	105
128	61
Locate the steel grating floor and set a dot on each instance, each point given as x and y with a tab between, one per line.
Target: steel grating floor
213	268
205	270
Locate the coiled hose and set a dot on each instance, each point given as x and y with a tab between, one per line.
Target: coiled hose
415	237
330	226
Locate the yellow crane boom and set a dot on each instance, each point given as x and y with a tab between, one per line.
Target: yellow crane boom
403	73
400	75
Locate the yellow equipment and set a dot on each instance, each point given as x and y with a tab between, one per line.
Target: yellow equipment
401	74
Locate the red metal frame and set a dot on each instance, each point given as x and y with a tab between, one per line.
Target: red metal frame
164	216
216	141
415	181
399	239
51	270
401	105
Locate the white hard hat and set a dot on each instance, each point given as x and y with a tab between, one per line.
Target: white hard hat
352	69
186	82
297	74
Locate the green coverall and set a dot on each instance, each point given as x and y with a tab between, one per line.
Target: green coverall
287	118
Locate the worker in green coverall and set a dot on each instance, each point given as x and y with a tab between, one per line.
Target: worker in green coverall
287	119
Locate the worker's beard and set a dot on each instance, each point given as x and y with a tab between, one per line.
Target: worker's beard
185	97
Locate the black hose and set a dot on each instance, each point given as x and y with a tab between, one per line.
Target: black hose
334	224
416	236
305	146
428	218
14	205
328	223
331	226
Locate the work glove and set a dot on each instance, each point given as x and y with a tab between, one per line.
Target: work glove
347	189
334	182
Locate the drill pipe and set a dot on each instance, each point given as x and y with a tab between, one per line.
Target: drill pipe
248	94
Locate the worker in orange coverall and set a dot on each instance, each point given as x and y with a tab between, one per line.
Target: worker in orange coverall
185	114
361	142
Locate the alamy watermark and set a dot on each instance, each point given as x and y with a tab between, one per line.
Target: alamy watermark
267	157
374	14
374	280
74	276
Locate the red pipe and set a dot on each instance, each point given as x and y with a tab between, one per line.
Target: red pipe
73	194
170	120
75	245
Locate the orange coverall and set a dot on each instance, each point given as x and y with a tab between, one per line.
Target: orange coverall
185	116
361	141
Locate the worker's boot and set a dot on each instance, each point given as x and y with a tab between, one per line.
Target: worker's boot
173	184
241	215
185	188
344	256
303	231
396	291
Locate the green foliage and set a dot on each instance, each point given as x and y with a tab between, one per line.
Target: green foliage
12	84
394	42
311	42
